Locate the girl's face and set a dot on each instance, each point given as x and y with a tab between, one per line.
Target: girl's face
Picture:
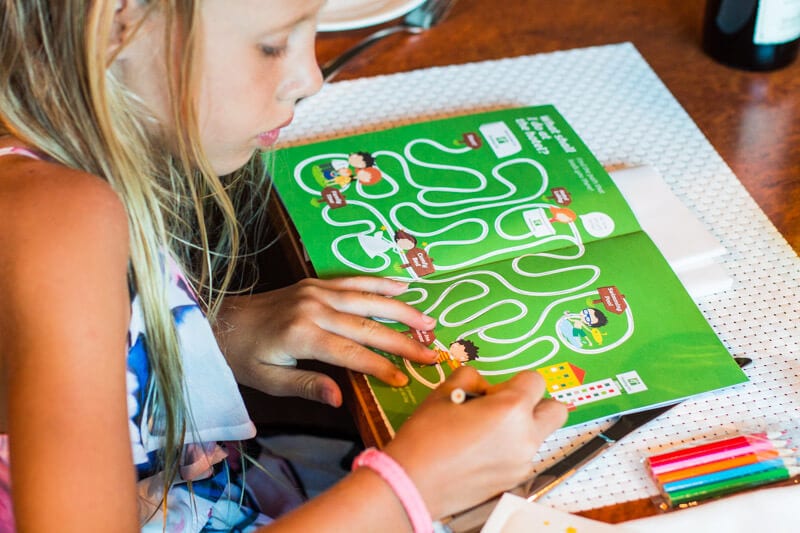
257	61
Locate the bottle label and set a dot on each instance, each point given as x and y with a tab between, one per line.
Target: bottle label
777	21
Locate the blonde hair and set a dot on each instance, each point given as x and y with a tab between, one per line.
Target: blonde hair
59	94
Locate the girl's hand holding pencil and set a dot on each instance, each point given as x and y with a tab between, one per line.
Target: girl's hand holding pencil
488	442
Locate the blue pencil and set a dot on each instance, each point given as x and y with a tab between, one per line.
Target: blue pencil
730	473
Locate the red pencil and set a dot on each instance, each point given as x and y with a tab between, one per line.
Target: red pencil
722	464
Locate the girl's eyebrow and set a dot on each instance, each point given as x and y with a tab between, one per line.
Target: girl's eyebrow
295	22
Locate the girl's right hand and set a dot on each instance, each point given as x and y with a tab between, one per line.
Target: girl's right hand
459	455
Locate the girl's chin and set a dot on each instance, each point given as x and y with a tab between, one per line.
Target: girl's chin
231	164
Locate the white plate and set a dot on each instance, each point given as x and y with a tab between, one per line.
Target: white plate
338	15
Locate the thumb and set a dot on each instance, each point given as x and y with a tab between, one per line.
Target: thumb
464	377
290	381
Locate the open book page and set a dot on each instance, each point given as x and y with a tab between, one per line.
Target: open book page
441	196
609	327
516	239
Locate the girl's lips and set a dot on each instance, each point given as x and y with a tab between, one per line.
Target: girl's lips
268	138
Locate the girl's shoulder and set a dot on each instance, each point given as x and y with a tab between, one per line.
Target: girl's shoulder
62	232
45	202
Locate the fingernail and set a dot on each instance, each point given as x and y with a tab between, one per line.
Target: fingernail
401	286
331	398
429	320
400	379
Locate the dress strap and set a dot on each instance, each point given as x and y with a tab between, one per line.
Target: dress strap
16	150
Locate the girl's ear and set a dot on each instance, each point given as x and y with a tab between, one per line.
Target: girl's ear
118	27
127	18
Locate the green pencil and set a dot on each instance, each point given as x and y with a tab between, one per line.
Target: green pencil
728	486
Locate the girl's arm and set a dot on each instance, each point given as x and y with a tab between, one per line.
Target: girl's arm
63	324
456	455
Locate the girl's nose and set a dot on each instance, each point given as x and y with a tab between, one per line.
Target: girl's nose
304	79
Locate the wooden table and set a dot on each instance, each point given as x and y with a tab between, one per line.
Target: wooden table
752	119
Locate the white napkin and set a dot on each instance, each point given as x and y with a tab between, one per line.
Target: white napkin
767	510
683	239
770	510
515	515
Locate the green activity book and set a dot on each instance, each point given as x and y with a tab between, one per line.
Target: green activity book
515	238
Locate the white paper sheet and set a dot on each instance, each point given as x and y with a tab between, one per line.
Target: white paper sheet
687	245
770	510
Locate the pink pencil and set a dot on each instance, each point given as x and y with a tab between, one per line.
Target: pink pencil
703	448
714	451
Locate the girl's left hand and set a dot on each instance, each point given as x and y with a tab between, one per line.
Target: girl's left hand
263	335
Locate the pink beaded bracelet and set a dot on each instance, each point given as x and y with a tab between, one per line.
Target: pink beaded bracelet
401	484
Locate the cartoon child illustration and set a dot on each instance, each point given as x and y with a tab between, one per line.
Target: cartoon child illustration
368	175
343	171
343	176
359	160
359	166
324	173
575	327
460	352
418	259
463	350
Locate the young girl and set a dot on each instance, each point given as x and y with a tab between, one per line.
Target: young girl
117	244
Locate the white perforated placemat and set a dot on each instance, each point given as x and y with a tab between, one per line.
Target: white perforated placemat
627	117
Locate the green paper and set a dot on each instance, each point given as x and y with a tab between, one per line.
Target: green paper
516	239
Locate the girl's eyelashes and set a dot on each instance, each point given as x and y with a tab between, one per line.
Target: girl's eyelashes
273	51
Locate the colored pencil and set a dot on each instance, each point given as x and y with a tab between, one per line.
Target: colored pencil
693	457
738	440
728	473
723	464
721	488
459	395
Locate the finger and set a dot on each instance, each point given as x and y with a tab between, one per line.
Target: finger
371	304
385	286
376	335
347	353
466	378
289	381
550	414
401	345
530	384
367	296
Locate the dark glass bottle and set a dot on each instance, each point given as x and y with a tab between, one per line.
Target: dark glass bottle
752	34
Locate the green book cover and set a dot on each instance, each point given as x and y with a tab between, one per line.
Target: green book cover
516	239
